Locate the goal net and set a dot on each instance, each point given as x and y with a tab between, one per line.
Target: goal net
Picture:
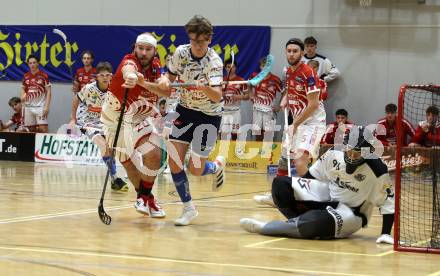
417	219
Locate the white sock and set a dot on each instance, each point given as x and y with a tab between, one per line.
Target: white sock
189	204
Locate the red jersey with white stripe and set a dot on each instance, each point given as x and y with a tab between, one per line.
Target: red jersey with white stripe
332	129
300	83
231	91
427	138
265	92
84	77
390	137
141	103
35	88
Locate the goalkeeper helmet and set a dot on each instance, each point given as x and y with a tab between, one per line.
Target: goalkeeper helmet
354	142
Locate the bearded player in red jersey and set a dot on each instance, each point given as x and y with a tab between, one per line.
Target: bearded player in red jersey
138	147
303	99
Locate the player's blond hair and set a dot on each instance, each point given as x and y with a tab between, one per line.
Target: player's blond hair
313	63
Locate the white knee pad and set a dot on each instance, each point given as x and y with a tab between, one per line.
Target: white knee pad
310	189
346	222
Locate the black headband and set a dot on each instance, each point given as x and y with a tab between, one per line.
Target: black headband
296	41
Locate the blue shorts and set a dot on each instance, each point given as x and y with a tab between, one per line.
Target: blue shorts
196	128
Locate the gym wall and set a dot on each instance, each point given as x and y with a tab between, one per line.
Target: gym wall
376	48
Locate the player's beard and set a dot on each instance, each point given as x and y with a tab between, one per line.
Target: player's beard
145	62
295	62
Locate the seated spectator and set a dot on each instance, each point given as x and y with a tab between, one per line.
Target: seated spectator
390	124
16	121
428	132
321	83
341	122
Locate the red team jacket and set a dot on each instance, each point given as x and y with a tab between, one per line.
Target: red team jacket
427	139
83	77
265	92
330	134
390	138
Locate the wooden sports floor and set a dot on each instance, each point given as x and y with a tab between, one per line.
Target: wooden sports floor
49	226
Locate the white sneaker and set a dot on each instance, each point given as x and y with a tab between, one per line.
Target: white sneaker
385	238
251	225
154	208
265	199
141	207
188	215
219	175
149	206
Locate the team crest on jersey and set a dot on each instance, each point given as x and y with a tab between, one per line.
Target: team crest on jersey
360	177
39	81
298	79
299	87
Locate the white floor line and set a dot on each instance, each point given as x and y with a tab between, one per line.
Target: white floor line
61	214
169	260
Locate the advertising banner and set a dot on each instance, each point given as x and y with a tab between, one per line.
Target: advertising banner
59	48
17	146
61	148
248	156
